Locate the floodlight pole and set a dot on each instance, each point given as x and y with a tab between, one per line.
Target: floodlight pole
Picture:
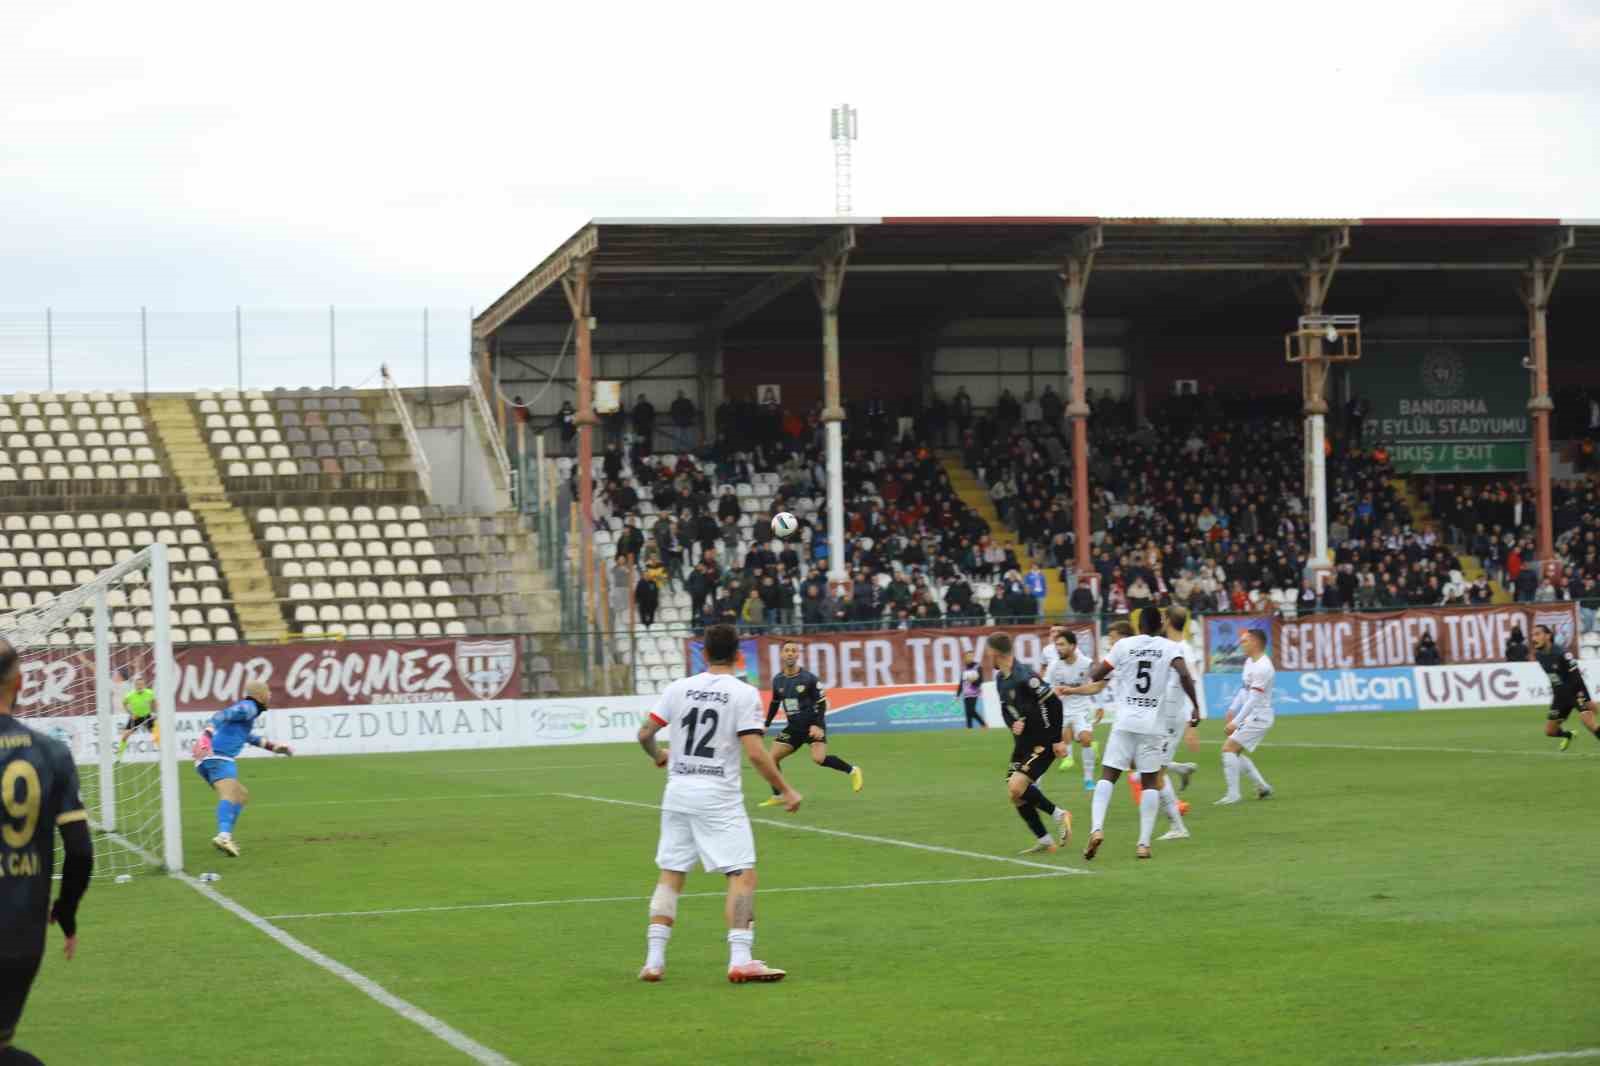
1538	283
576	284
1074	283
830	284
1317	279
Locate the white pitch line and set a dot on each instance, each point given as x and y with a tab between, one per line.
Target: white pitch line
460	1041
1426	750
1512	1060
646	899
851	836
412	1013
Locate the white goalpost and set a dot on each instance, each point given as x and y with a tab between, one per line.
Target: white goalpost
89	657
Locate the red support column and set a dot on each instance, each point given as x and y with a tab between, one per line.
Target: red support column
577	287
1075	281
1540	405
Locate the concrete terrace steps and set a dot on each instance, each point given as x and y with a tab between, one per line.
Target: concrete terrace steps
974	495
233	541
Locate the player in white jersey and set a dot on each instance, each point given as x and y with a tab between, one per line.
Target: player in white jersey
1178	721
1138	667
1048	657
711	720
1068	676
1250	715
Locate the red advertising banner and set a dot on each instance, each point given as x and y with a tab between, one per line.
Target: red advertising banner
887	658
329	674
1464	635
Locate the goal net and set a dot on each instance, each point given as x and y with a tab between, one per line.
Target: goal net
92	658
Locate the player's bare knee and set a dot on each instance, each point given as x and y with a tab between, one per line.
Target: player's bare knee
819	755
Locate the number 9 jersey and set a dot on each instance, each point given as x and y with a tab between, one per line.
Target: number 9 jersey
705	716
39	783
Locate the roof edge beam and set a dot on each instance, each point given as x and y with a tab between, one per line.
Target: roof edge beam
548	273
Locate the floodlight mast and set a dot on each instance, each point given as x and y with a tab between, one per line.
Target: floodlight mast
844	129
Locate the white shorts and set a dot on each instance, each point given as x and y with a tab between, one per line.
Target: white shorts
1134	751
721	840
1079	723
1248	735
1169	747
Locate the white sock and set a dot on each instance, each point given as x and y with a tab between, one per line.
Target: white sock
1182	767
1230	772
1149	805
1103	791
655	940
1169	802
741	942
1086	753
1046	839
1250	768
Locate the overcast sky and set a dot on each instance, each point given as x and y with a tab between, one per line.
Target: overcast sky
189	156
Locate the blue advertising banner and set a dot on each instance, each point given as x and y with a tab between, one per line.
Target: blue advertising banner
1223	652
1324	691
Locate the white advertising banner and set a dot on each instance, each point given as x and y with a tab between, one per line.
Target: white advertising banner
1490	685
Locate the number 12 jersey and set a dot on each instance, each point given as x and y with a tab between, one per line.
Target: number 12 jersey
705	716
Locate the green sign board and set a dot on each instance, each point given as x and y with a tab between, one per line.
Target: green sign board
1444	407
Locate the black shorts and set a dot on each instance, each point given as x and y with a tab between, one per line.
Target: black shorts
797	731
1564	703
133	724
1030	758
16	979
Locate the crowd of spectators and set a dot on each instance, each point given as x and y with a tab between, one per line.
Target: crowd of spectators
1205	507
916	554
1202	506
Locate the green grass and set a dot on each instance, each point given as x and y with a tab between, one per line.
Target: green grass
1386	907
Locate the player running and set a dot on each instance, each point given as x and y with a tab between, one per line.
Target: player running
140	703
1250	715
1068	677
1178	722
216	752
710	719
1033	714
805	708
39	790
1568	690
1138	667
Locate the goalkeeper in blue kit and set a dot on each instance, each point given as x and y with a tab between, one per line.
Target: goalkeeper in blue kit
216	755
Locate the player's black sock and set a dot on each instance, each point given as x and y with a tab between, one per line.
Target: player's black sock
1562	734
1039	799
1030	814
15	1056
833	762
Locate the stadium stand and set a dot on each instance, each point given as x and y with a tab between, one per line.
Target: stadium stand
83	485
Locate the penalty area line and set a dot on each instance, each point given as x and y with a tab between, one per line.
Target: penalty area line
645	899
800	827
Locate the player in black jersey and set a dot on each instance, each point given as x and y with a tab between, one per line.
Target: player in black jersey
38	794
1568	690
805	707
1033	714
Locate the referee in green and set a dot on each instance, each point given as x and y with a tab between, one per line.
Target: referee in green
140	703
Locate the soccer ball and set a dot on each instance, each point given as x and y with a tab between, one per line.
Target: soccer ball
784	524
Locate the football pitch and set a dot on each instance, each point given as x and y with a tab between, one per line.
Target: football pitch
1416	892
